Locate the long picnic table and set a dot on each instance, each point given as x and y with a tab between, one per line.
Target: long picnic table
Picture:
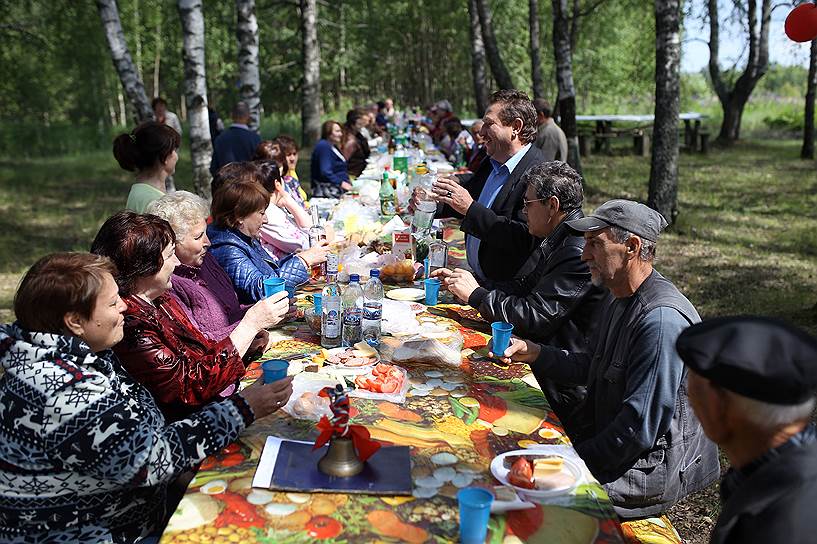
504	411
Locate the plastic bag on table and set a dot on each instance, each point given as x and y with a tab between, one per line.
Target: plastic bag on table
397	397
434	344
398	318
395	268
305	402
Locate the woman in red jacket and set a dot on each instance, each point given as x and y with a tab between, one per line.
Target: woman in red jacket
161	347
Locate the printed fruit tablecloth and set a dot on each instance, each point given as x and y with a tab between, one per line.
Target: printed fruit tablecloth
455	421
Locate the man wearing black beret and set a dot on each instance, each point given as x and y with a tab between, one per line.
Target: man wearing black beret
635	430
752	384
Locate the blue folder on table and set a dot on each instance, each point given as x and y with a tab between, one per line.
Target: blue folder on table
387	472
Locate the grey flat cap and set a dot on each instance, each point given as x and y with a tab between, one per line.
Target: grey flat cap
626	214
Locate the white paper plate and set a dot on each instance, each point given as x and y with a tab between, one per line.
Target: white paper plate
500	472
408	294
347	370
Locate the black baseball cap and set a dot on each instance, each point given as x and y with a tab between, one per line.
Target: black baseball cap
626	214
756	357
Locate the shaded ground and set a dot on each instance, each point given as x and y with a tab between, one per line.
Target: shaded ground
745	240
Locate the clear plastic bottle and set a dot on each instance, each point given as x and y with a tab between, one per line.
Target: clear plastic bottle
352	313
437	253
331	317
372	309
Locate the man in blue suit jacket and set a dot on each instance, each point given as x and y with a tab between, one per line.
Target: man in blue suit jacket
237	143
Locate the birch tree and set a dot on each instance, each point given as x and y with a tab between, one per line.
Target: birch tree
195	90
247	34
311	94
535	56
733	98
663	189
481	91
564	80
498	68
807	152
122	60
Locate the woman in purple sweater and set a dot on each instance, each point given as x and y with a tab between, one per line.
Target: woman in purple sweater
199	283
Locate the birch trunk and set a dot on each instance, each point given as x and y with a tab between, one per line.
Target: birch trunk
498	68
808	125
535	56
733	100
311	98
195	87
157	60
122	60
247	34
663	189
481	93
564	80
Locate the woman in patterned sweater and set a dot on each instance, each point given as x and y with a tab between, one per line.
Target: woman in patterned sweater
85	453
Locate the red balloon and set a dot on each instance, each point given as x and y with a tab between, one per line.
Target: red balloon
801	23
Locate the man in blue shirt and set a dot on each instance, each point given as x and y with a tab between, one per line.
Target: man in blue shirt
237	143
491	201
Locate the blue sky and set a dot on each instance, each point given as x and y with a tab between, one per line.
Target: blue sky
733	42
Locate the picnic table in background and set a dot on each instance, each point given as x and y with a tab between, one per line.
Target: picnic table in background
604	131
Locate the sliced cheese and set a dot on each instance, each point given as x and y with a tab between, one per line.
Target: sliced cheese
362	349
544	467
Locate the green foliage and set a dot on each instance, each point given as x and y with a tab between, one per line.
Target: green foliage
788	119
58	73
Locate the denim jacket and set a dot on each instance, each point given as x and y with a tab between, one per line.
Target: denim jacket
248	264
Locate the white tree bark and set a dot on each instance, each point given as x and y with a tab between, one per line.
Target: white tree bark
195	85
311	103
564	79
247	34
122	60
478	59
663	188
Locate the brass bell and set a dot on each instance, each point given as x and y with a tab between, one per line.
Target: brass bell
341	459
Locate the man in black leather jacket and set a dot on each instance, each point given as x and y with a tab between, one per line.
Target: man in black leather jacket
551	299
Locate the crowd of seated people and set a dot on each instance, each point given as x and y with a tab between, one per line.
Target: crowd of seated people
136	348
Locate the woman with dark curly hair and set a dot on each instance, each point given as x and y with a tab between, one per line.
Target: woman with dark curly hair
182	367
150	151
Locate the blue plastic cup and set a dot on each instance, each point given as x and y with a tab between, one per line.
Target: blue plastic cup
274	370
432	286
273	285
475	510
317	300
502	337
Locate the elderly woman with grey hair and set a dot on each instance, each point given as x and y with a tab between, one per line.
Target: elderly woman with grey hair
199	283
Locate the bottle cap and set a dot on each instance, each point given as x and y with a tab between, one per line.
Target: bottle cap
374	273
354	278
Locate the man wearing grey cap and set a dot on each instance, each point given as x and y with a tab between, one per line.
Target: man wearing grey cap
635	430
752	383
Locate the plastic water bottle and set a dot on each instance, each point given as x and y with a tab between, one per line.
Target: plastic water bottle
372	309
331	305
352	313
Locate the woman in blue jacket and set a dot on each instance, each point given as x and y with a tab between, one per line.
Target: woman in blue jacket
329	176
239	211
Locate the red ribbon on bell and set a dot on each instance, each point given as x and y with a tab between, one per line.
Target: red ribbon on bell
801	23
364	445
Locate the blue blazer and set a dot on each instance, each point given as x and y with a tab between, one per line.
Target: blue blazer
328	170
248	264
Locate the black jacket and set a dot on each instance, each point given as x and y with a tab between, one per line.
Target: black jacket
551	299
505	243
775	499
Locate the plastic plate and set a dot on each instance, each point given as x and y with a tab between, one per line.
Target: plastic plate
500	472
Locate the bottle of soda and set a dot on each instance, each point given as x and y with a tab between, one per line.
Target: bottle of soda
372	309
331	316
316	235
387	206
351	333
